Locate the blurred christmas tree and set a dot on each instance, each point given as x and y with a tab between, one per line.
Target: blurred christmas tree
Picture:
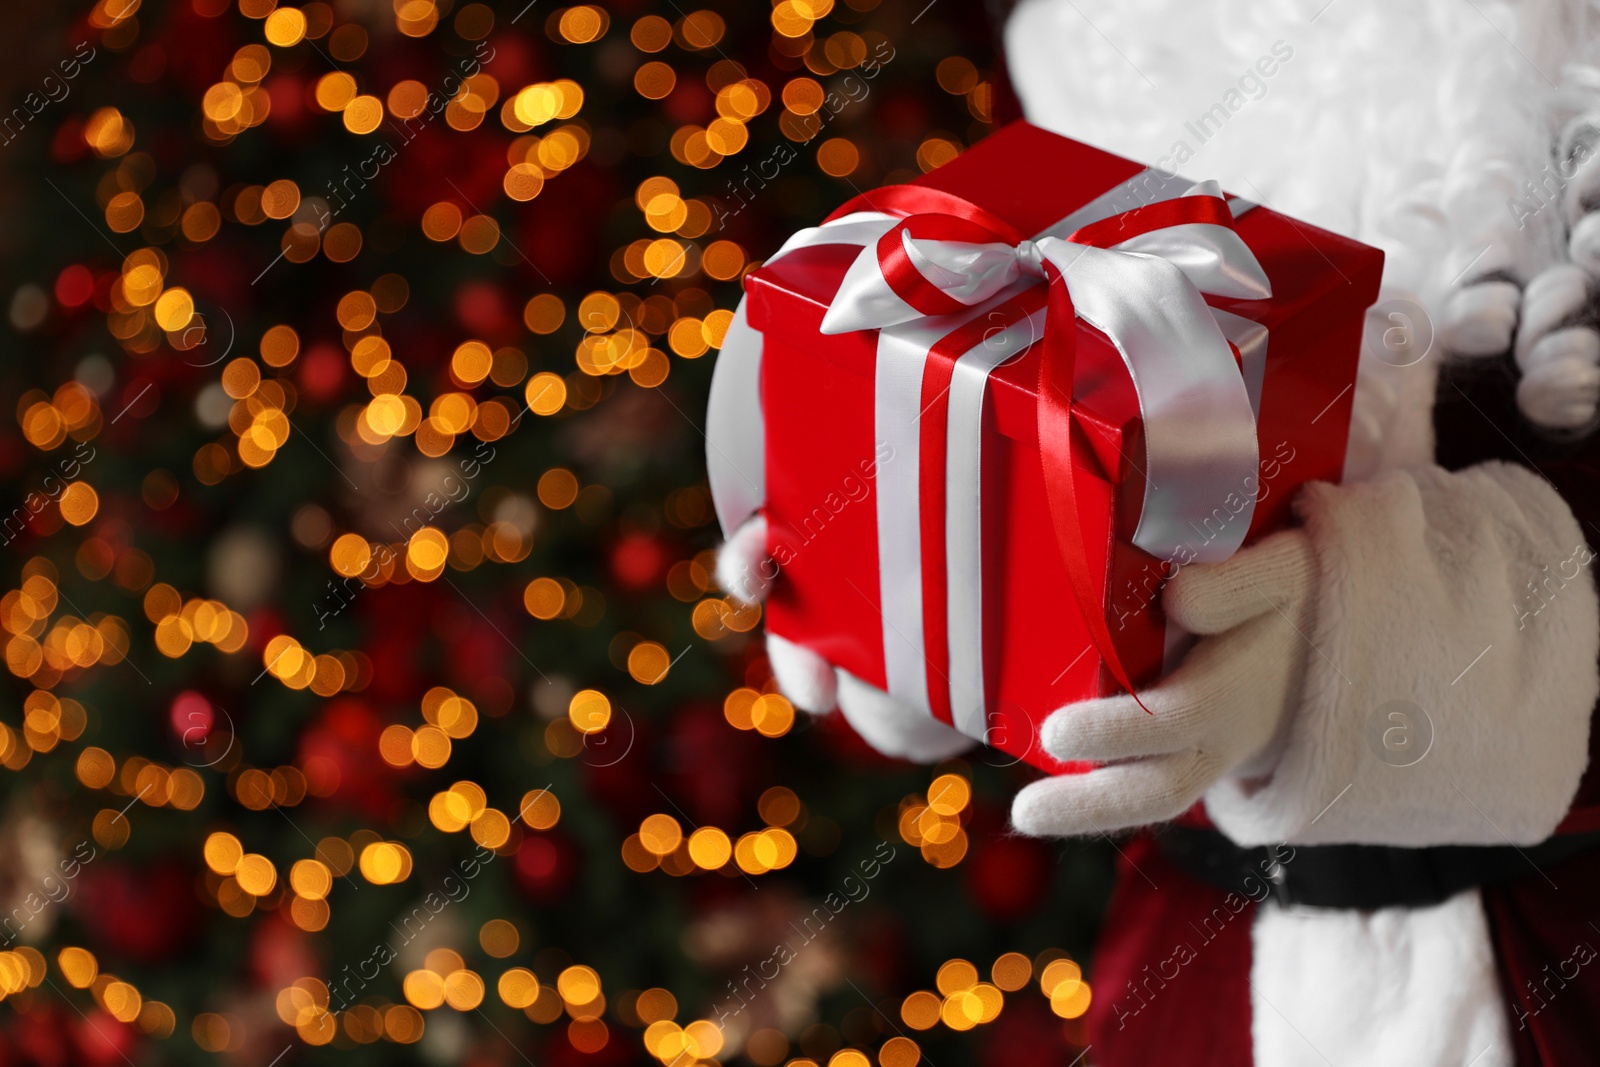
368	694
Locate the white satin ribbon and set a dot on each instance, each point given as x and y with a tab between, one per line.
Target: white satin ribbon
1199	428
1144	295
897	389
736	437
964	512
1213	258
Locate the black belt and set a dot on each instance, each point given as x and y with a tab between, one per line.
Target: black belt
1363	877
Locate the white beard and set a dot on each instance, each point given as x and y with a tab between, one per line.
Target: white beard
1414	127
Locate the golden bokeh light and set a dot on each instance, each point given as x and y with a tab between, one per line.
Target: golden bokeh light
584	23
1011	971
518	988
311	878
79	502
500	938
709	847
540	809
589	711
255	874
78	966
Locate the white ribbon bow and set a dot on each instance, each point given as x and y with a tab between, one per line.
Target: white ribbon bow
1144	294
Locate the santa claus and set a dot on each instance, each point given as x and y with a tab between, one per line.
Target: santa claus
1365	825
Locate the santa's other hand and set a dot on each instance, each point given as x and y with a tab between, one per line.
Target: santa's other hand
811	683
1219	713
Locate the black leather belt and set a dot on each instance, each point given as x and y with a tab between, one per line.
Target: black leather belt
1363	877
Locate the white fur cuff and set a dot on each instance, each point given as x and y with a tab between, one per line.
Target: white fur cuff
1452	671
1400	987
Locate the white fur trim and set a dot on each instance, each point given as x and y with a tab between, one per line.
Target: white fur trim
1426	596
803	676
1401	987
896	729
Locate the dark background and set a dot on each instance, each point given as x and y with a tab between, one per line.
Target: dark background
178	513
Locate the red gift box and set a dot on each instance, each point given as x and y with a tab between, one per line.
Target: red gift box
914	524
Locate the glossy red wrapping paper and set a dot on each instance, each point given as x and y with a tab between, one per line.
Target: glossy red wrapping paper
821	462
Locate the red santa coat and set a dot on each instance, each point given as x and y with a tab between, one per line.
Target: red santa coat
1173	969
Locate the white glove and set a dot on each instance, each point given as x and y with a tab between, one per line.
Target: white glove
1396	680
812	684
1549	325
1221	712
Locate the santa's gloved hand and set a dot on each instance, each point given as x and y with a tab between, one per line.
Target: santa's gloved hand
1220	712
1548	324
812	684
1417	666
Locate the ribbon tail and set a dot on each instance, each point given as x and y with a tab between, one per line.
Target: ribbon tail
1057	364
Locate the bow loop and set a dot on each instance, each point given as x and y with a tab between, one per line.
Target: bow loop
931	263
923	265
1195	233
